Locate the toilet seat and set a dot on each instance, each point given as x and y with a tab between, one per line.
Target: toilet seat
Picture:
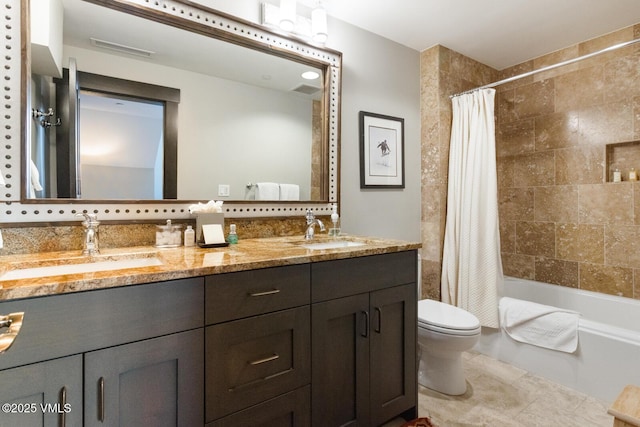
447	319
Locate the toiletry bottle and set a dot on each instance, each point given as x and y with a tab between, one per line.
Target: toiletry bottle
189	236
633	175
232	238
335	221
617	175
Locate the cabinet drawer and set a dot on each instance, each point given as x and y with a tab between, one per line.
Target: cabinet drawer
340	278
236	295
290	409
251	360
56	326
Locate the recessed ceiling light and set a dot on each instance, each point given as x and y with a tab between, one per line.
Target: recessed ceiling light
310	75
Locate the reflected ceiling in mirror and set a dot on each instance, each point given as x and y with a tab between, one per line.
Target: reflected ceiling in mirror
244	116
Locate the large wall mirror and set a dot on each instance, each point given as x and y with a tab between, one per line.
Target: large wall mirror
163	103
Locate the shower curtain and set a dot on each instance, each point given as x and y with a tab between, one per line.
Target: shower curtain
471	264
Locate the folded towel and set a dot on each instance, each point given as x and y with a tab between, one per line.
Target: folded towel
267	191
540	325
289	192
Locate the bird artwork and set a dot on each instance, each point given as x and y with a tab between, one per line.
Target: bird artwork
384	148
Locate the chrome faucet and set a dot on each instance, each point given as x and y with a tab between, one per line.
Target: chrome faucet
311	222
90	224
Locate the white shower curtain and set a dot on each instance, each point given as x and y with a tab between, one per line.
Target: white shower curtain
471	264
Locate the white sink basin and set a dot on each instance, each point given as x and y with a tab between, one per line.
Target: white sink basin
87	267
338	244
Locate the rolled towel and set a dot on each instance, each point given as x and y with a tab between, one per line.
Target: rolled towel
289	192
541	325
267	191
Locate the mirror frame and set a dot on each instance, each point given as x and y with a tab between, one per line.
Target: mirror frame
189	16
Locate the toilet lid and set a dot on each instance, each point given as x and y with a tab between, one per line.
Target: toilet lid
442	315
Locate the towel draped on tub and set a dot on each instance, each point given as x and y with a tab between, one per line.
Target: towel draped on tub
540	325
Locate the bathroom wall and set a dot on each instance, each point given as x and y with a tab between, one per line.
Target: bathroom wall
561	221
442	72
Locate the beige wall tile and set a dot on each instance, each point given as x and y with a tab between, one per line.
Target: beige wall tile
518	265
516	204
535	99
534	169
606	123
607	279
556	271
515	138
508	236
622	245
580	242
580	165
536	238
556	130
556	203
580	89
606	203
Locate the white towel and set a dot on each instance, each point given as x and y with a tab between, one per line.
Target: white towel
540	325
267	191
2	181
35	181
289	192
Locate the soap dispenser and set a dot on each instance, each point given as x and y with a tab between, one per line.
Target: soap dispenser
335	221
232	237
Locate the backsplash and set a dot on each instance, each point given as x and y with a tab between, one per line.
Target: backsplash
51	238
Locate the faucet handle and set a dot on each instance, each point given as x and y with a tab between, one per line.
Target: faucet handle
310	216
89	219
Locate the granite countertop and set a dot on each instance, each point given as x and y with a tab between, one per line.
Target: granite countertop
179	263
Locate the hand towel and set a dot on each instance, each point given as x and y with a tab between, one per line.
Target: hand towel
540	325
289	192
267	191
35	181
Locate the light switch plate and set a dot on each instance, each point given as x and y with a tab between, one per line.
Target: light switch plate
223	190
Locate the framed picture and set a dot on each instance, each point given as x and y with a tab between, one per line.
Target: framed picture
381	151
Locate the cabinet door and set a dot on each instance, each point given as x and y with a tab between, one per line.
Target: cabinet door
156	382
43	394
393	352
340	362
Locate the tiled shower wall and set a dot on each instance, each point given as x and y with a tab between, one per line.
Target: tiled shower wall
561	221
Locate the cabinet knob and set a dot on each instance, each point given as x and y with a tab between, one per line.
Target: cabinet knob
13	323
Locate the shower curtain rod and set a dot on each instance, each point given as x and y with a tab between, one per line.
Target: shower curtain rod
548	67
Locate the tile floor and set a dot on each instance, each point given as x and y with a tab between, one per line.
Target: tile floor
501	395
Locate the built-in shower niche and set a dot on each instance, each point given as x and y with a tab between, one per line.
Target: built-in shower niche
622	156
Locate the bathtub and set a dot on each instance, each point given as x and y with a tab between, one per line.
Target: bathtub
608	355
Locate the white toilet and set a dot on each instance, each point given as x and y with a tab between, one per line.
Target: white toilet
444	332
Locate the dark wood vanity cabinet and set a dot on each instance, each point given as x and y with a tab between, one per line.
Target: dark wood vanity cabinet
364	340
123	356
326	344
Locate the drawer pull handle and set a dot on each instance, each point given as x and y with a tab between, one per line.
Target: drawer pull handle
63	403
101	399
265	360
265	293
13	322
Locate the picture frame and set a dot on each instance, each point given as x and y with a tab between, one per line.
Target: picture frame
381	151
